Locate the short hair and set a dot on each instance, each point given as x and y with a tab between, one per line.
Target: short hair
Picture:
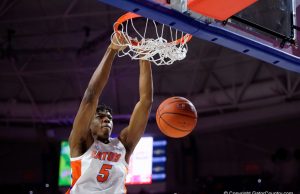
102	108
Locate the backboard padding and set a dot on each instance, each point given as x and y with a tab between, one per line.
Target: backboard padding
220	10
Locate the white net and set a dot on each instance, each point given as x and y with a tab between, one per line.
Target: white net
156	49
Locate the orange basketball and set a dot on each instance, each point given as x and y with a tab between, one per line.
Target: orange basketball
176	117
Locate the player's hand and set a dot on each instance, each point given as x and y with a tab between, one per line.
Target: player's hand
117	42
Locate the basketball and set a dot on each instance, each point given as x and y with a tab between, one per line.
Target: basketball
176	117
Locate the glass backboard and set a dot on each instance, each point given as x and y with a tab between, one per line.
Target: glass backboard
265	30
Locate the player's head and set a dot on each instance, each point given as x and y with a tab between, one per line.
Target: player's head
102	124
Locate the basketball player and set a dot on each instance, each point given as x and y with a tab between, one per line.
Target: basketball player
99	163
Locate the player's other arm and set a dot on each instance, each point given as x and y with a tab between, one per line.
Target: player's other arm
80	138
131	135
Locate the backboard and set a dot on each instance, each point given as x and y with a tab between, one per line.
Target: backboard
264	29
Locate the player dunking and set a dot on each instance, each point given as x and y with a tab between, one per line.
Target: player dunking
99	163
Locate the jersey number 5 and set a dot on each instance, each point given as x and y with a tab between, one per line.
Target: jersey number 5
104	173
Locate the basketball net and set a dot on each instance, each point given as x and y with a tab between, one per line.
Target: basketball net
158	50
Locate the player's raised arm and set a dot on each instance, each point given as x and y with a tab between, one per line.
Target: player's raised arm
131	135
80	138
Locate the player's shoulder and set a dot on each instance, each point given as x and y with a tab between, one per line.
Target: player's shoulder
116	142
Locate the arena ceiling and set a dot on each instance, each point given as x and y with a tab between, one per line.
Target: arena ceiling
49	50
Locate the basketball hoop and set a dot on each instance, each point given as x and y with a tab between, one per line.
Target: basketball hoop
156	49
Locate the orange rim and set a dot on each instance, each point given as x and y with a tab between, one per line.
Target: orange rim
130	15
